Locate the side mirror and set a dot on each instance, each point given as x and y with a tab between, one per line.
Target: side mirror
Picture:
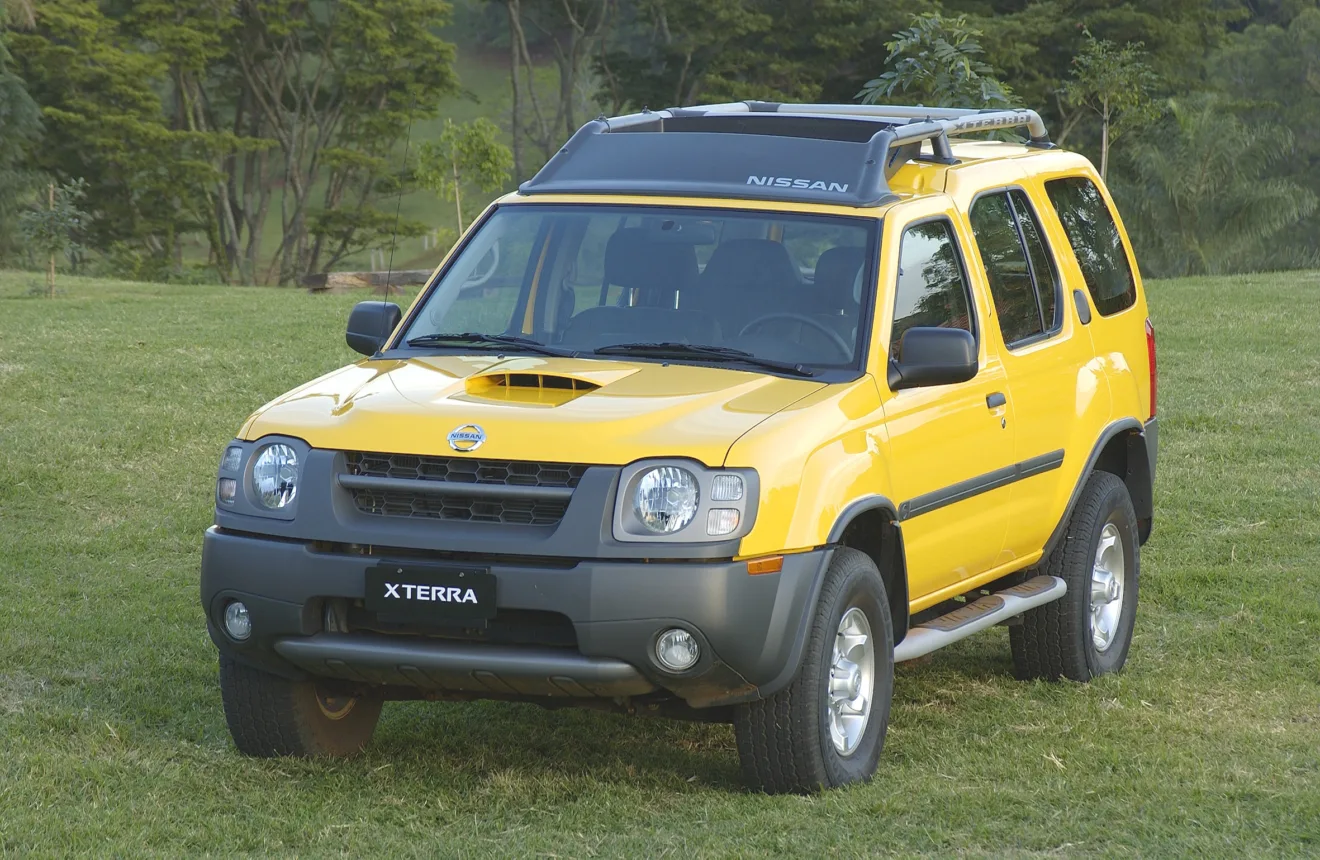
933	356
371	324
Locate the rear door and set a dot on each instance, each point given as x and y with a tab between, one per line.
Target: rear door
950	444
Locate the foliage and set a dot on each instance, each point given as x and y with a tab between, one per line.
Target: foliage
105	123
1273	69
466	154
20	120
1114	83
56	227
268	136
205	117
936	62
1202	193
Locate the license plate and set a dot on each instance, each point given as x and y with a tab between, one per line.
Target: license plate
431	593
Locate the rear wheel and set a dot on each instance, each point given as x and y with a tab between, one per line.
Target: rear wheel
1088	631
828	726
273	716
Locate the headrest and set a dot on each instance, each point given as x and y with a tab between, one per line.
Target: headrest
633	261
751	265
836	276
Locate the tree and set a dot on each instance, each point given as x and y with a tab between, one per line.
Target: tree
1274	70
936	62
20	119
1114	83
1203	194
105	123
663	53
468	154
572	32
53	229
337	87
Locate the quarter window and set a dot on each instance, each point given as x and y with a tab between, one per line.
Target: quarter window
1017	263
1095	241
932	288
1043	269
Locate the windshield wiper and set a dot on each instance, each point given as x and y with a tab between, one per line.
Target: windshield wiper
475	338
702	351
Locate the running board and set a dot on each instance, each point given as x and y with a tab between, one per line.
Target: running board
974	617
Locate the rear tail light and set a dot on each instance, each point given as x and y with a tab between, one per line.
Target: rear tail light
1150	352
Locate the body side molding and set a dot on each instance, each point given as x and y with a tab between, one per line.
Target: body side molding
962	490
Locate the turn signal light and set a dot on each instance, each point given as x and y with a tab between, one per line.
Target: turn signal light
772	564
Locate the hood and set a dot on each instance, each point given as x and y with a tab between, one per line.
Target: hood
531	408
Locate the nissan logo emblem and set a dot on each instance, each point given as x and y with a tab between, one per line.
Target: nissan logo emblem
467	438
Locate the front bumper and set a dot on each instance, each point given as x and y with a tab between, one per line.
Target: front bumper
751	628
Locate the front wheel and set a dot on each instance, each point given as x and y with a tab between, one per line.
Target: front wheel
273	716
1087	632
827	728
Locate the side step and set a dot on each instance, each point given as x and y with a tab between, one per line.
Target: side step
981	613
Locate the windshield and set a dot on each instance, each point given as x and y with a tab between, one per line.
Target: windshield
781	287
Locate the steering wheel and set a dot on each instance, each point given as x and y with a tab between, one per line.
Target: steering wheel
830	334
477	279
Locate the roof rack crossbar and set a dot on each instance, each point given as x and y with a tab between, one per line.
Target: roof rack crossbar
957	120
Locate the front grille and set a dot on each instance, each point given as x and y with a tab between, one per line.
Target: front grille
464	470
512	511
436	481
507	627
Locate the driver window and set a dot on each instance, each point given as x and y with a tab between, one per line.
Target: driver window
932	286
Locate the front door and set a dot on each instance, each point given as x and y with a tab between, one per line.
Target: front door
951	446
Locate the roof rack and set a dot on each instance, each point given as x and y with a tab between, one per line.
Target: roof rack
836	153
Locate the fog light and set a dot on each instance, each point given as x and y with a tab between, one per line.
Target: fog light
226	489
721	521
677	650
238	624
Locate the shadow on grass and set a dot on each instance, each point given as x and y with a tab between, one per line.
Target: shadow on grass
524	741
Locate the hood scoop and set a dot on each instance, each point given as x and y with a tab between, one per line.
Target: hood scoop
527	389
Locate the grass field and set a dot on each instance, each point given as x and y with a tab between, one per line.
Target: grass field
115	402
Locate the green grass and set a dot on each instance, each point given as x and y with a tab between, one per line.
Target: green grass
115	402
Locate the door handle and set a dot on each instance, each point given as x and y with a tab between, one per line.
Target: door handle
996	400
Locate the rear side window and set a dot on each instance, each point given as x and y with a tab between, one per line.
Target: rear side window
1096	242
932	288
1023	282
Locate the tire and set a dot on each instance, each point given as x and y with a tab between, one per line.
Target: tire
272	716
1057	640
786	742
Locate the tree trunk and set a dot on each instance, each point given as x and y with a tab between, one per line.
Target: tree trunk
515	119
1104	142
50	272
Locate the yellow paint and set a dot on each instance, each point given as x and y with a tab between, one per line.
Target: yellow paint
530	314
816	447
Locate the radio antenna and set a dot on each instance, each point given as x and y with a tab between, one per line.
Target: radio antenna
398	206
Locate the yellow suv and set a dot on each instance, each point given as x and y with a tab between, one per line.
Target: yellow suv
726	411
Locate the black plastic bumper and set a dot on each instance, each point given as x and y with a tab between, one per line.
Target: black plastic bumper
751	628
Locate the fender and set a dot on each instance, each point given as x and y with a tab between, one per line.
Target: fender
892	555
1139	473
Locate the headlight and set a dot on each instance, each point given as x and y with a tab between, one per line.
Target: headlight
666	499
275	476
682	501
